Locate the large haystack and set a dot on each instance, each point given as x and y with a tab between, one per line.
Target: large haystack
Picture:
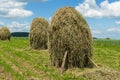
38	34
70	32
5	34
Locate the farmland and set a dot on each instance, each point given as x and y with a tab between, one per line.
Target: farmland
18	61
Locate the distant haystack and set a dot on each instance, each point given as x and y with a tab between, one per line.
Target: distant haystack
38	33
5	34
70	33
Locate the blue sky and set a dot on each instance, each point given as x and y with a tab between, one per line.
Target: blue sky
103	16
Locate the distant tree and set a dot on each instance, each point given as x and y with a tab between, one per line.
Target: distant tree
107	38
20	34
95	38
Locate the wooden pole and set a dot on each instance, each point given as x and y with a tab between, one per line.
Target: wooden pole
63	63
93	63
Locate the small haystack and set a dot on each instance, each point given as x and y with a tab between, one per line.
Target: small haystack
5	34
38	33
70	33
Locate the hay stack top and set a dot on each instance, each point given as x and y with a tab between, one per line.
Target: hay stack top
69	16
70	32
39	23
5	30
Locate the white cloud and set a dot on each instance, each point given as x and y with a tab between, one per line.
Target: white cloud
89	8
19	13
50	18
117	22
19	27
13	9
2	24
112	32
114	29
11	4
96	32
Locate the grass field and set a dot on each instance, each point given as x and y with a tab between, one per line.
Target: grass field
19	62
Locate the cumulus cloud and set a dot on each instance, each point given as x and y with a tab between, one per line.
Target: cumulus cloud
89	8
13	9
113	29
19	27
19	13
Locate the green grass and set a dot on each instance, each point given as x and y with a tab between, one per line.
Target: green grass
19	62
107	53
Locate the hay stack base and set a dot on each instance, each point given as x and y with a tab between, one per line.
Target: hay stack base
70	32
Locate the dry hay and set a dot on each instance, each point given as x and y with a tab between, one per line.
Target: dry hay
102	74
38	34
70	32
5	34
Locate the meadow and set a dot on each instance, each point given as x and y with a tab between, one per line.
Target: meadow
18	61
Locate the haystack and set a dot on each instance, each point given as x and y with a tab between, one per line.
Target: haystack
38	33
70	33
5	34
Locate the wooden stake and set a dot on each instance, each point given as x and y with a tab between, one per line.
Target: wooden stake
93	63
63	63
